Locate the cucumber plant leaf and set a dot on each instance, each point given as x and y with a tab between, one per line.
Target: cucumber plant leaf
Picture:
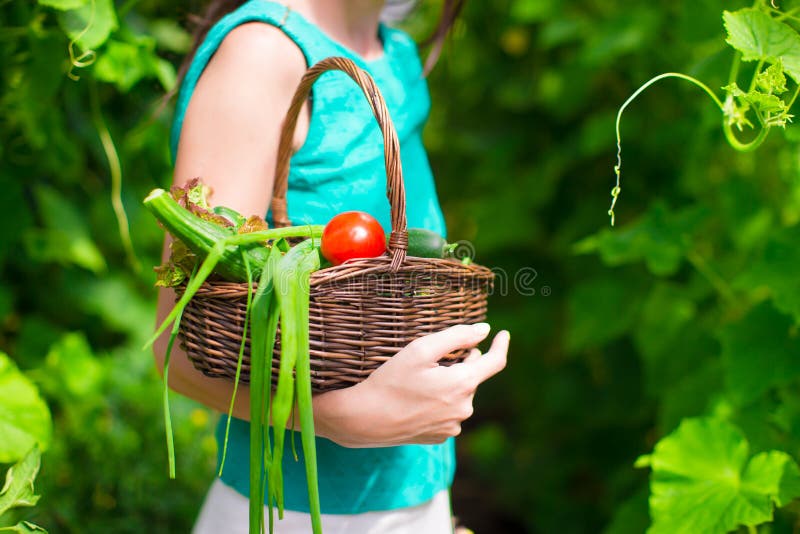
760	37
65	237
23	527
588	325
18	488
661	238
707	460
91	24
125	63
24	417
763	98
772	80
775	271
760	352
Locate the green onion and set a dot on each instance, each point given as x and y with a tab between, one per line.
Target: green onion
167	418
239	361
292	290
262	341
301	295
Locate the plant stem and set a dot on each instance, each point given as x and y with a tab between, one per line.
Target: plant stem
618	167
115	169
744	147
734	73
759	66
794	97
716	281
781	15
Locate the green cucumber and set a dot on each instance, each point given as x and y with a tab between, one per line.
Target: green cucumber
424	243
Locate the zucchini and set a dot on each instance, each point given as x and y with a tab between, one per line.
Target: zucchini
424	243
201	235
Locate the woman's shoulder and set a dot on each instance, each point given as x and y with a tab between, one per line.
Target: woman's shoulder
264	45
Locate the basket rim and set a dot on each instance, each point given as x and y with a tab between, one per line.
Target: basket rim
356	267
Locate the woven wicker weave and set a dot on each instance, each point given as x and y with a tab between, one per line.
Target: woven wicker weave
361	312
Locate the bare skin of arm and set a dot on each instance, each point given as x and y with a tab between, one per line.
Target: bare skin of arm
229	139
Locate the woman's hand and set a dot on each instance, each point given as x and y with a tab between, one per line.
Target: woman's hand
411	398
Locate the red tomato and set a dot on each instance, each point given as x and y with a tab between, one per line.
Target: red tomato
352	234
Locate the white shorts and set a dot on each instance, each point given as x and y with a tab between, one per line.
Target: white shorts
225	511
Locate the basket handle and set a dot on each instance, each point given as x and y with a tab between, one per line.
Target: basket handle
395	189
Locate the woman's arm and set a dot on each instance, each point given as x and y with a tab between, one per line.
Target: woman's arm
229	139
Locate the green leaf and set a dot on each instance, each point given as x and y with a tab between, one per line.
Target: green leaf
660	239
775	272
24	416
528	11
165	72
124	64
708	461
770	108
65	238
91	24
760	352
71	363
772	80
670	338
600	310
171	36
790	484
759	37
24	527
18	488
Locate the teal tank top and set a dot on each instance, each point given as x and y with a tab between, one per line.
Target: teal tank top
340	167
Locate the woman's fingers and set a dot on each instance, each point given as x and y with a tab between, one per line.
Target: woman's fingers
492	362
473	355
434	347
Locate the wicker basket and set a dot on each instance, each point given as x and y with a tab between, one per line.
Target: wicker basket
361	312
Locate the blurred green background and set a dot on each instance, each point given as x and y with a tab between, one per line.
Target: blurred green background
688	307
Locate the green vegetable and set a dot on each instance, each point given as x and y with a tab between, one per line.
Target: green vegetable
263	326
296	325
283	399
424	243
290	286
200	235
165	397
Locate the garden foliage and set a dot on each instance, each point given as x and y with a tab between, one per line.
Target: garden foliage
671	338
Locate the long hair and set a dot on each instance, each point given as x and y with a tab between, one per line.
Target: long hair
394	9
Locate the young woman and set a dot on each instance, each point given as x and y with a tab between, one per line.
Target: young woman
385	447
